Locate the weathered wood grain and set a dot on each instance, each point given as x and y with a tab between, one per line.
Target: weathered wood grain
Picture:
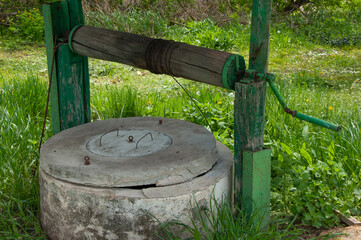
249	108
191	62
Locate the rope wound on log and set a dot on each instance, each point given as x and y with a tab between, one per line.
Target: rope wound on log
158	55
217	68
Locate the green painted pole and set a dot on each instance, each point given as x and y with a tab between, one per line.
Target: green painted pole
252	161
260	35
70	102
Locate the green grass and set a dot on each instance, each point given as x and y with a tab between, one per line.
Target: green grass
220	221
314	171
22	104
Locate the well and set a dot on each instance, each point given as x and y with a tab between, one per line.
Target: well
114	179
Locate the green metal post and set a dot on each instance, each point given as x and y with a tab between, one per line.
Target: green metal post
70	102
252	161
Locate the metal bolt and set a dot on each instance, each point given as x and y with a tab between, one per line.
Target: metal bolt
130	139
86	160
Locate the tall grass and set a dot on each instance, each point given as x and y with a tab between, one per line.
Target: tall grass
203	33
220	221
22	105
340	27
315	171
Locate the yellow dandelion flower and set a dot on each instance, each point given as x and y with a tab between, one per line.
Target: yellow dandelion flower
219	102
334	55
18	11
356	80
307	100
149	102
321	72
330	108
331	78
3	20
301	74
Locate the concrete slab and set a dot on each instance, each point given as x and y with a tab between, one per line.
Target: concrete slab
180	152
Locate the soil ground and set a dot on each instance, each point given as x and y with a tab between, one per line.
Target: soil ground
346	233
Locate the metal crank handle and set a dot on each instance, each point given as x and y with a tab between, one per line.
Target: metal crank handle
269	78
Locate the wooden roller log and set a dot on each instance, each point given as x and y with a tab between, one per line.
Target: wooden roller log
159	56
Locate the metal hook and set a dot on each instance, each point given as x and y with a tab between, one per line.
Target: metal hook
100	140
136	146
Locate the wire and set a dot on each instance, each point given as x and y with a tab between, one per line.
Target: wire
204	116
49	88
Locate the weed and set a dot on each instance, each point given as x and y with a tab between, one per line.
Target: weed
115	103
28	25
142	22
312	172
220	221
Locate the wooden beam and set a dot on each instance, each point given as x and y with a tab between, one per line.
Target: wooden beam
166	57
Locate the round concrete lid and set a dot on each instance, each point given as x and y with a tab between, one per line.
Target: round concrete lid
128	143
130	152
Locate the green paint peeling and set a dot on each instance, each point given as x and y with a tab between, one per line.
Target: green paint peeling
252	163
70	103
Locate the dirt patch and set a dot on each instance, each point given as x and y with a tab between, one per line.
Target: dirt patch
343	233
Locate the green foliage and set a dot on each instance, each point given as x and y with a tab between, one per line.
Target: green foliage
206	34
8	4
320	188
142	22
315	171
287	7
28	25
218	112
219	221
22	104
332	26
203	33
113	102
